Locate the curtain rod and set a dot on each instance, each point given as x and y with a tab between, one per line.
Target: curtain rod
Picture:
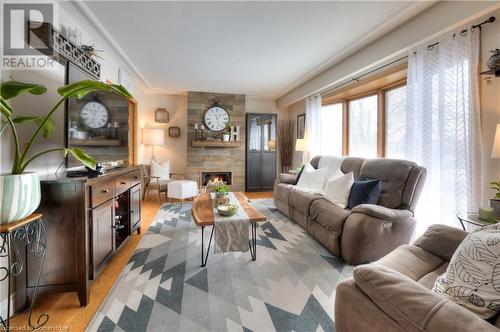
491	19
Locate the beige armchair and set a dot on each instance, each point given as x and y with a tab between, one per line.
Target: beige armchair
394	293
155	183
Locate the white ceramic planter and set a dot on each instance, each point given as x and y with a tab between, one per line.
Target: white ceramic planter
226	137
19	196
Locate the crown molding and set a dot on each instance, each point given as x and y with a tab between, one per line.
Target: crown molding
405	14
87	12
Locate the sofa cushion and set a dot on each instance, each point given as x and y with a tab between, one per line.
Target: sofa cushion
429	279
441	240
312	181
301	200
412	261
393	174
411	305
328	215
473	275
364	192
288	178
352	164
337	190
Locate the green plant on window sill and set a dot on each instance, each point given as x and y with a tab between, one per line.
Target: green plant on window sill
496	186
45	124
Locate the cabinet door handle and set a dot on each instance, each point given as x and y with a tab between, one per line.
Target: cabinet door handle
136	177
131	211
123	182
105	191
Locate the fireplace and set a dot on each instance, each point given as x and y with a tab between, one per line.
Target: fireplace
214	178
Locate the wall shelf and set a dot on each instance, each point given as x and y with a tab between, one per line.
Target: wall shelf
215	144
95	142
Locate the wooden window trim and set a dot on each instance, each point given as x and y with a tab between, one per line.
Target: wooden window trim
381	93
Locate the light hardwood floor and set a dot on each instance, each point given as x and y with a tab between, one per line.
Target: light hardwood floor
65	311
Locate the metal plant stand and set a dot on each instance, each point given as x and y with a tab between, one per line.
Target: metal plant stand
31	231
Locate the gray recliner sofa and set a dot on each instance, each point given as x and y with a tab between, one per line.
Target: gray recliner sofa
367	232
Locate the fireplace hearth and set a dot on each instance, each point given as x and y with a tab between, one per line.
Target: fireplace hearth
215	178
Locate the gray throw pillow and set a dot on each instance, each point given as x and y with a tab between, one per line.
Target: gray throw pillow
472	278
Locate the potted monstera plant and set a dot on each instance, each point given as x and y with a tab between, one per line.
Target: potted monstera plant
20	190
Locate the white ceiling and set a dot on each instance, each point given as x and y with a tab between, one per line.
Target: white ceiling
254	48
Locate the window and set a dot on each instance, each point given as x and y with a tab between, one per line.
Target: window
395	107
331	129
363	114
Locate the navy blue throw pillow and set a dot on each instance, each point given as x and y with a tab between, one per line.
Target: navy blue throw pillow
364	191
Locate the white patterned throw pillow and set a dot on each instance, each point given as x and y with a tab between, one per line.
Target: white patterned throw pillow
472	278
161	170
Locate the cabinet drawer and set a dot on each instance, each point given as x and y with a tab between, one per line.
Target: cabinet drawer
135	177
101	192
122	183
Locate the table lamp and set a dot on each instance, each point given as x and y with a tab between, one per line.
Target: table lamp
301	146
153	137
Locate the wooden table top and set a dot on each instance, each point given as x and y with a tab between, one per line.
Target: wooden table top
203	213
9	228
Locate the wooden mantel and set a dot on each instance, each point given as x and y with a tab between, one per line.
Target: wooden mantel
215	144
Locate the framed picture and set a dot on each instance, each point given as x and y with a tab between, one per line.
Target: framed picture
301	125
174	131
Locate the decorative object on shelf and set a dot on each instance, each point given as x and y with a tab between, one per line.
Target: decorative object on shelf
94	114
486	213
161	115
153	137
91	51
174	132
64	47
31	231
201	134
495	185
235	133
221	200
494	61
226	136
285	143
26	186
113	130
216	118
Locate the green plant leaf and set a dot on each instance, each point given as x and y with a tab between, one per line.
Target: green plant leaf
49	127
11	89
81	156
81	89
5	108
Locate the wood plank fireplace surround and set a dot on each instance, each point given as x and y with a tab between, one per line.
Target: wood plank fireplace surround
206	162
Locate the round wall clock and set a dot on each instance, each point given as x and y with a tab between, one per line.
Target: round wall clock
94	115
216	118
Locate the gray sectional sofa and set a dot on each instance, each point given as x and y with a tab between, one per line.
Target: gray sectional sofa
367	232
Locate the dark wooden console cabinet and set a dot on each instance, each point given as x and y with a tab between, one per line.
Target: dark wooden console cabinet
87	220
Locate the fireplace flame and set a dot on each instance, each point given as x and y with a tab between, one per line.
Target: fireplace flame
216	180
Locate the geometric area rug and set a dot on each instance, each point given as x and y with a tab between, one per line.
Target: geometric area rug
290	287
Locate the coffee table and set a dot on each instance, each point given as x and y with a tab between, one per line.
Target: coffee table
203	216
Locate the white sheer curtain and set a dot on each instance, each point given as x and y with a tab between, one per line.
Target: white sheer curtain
443	130
313	125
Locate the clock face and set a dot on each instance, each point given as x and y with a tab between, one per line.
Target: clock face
216	118
94	114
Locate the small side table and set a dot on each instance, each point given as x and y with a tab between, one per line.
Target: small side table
473	219
31	231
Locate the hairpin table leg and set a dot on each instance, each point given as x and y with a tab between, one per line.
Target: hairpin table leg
253	241
204	260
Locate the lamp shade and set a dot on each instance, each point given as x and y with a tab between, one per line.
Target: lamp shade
495	151
301	144
153	136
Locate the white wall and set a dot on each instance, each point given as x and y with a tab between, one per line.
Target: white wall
439	18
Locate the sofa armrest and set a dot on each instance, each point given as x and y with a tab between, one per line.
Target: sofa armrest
441	240
287	178
411	305
381	212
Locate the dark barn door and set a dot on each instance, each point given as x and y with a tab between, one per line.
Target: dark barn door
260	151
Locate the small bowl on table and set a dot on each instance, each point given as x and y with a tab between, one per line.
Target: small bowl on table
227	210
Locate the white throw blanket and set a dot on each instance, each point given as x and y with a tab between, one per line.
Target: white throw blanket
231	233
333	163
